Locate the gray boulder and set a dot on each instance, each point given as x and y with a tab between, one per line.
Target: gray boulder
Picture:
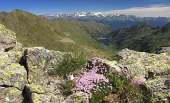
13	76
10	95
8	39
11	72
160	88
77	97
165	50
40	62
142	64
154	67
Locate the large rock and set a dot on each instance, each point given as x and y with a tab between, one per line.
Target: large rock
44	94
13	76
142	64
10	95
48	92
40	63
77	97
154	67
11	72
8	39
165	50
113	67
160	88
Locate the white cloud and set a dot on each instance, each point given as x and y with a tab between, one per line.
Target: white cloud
152	11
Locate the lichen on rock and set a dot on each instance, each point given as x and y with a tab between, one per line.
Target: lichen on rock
77	97
140	64
10	95
151	67
40	60
11	72
8	39
159	88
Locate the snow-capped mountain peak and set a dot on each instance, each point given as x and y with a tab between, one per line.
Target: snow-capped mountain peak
76	14
114	20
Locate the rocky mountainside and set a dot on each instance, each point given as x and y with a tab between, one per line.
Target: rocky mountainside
141	37
63	35
152	67
116	21
25	74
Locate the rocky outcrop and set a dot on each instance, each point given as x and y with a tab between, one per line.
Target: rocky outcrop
81	97
10	95
13	76
155	68
26	74
165	50
40	61
42	86
142	64
8	39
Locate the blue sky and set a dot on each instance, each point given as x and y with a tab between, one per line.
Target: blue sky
132	7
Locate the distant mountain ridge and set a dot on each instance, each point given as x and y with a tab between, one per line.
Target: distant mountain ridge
73	35
61	35
116	21
141	37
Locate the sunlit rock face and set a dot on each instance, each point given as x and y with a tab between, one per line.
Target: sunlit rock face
154	68
13	76
8	39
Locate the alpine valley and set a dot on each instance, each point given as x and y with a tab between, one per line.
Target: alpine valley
63	35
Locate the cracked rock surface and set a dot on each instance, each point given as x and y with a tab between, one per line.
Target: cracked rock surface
154	67
26	73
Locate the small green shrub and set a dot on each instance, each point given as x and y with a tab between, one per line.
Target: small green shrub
98	95
115	81
71	63
135	93
68	85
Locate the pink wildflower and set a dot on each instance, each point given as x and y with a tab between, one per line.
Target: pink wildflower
138	80
124	71
87	81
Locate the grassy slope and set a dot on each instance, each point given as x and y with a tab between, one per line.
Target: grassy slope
35	31
140	37
96	30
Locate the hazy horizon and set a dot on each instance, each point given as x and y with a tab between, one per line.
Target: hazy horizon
149	8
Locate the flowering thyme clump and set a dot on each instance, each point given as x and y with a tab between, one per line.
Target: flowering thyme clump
138	80
124	72
92	79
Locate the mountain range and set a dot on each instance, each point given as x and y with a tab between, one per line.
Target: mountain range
74	35
62	35
141	37
115	21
